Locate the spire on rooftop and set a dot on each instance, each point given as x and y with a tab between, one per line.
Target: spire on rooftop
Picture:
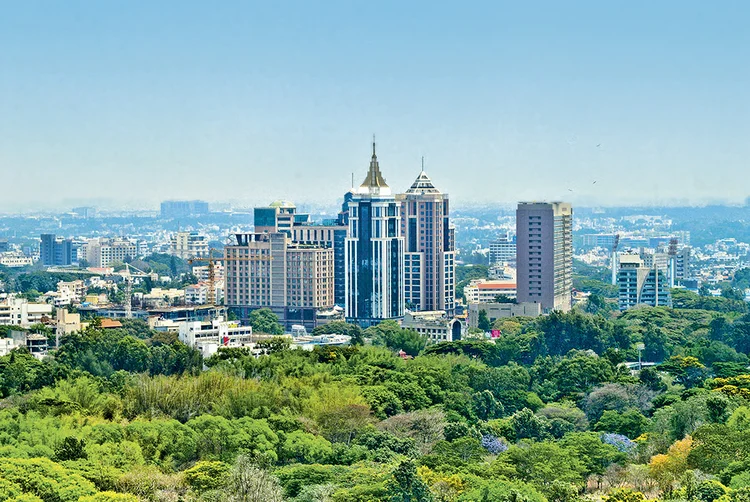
374	179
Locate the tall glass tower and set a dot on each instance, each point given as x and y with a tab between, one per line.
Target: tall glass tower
374	252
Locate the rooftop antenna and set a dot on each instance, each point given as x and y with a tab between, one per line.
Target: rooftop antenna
422	163
352	180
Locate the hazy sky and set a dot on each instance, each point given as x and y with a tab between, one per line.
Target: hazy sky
140	101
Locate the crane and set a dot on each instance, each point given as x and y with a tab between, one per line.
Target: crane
128	276
211	293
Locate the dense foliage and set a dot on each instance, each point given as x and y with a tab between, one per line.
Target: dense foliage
548	412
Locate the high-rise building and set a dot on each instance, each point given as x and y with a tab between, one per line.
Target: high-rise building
641	285
187	245
103	252
429	256
374	252
544	256
503	250
282	216
183	208
55	251
269	270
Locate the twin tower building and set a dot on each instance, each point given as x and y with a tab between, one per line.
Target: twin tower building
385	252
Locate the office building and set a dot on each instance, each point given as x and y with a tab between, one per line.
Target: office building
269	270
497	311
641	285
55	251
282	216
544	258
429	255
103	252
85	212
187	245
503	250
374	252
279	216
15	260
171	209
435	326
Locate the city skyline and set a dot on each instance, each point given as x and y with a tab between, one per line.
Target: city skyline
135	103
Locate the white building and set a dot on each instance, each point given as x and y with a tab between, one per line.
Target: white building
208	337
188	245
19	312
503	250
435	325
641	285
15	260
101	252
482	290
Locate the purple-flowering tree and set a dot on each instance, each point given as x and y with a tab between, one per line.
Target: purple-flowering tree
622	443
494	444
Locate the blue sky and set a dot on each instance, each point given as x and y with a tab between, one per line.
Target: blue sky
139	101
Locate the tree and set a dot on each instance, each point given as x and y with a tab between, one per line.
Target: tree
630	423
204	476
483	321
249	483
265	321
407	486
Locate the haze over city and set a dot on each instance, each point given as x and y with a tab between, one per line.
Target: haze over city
599	103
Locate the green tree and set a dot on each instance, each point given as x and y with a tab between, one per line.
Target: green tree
265	321
483	322
407	486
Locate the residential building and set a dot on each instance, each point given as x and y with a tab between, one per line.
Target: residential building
14	260
483	290
103	252
175	209
503	250
544	240
76	289
269	270
187	245
67	322
437	326
497	311
682	264
36	343
429	241
19	312
197	294
374	252
207	337
55	251
641	285
4	246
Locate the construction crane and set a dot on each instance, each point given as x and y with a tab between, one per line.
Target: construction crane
613	260
128	277
672	252
211	293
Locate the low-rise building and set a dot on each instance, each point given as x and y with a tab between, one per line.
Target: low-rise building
67	322
435	325
483	290
497	311
16	311
207	337
14	260
35	343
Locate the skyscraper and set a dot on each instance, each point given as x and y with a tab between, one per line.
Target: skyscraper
641	285
429	269
374	252
544	256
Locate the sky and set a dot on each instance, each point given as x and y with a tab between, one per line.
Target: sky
127	103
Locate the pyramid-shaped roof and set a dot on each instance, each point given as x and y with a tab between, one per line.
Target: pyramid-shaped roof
423	184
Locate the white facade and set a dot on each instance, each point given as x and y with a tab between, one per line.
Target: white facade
502	250
15	260
208	337
436	326
19	312
482	290
188	245
100	253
